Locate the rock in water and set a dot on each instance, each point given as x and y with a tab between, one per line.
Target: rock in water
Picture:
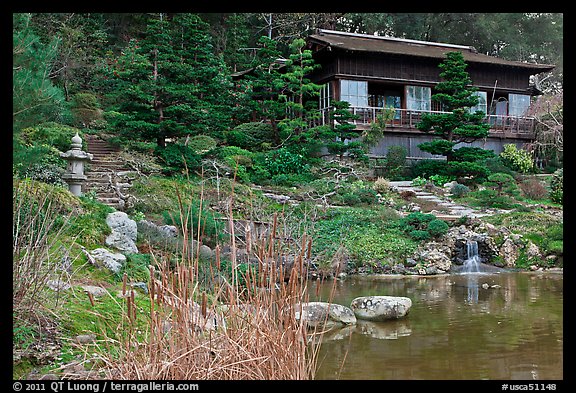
380	308
321	313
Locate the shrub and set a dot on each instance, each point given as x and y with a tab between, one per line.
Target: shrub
468	172
459	190
533	189
427	168
472	154
381	185
490	198
350	199
51	134
39	162
419	235
440	180
557	187
419	181
437	228
253	136
502	183
518	160
201	144
176	158
283	161
395	162
417	220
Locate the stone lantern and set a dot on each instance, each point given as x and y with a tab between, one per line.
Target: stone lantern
76	157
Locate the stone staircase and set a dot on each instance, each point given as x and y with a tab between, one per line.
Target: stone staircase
103	170
455	211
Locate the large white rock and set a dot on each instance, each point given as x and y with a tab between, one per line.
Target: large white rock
124	232
380	308
108	259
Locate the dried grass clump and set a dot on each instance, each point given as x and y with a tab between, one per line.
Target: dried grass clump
240	327
382	185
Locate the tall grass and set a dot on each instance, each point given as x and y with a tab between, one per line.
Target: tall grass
222	327
37	253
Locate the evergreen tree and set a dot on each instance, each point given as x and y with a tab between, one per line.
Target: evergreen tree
265	84
456	96
35	99
299	96
171	84
343	131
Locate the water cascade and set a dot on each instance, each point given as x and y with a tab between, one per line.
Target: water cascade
472	262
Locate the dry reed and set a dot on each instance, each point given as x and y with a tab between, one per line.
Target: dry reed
243	327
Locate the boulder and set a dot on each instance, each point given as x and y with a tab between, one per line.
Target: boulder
108	259
380	308
124	232
325	314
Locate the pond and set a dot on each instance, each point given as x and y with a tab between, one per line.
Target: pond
477	326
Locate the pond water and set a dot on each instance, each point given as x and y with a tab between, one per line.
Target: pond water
505	326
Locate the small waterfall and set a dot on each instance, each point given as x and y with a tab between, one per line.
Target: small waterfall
472	262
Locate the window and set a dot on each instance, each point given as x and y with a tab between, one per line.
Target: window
482	103
325	96
518	104
355	92
418	98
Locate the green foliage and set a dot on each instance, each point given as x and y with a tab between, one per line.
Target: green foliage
427	168
419	181
368	234
283	162
169	83
437	228
86	110
419	235
459	190
440	147
338	141
421	226
175	158
254	136
472	154
374	134
517	160
456	96
50	133
197	220
490	198
201	144
35	99
557	187
545	230
355	194
38	162
502	183
496	164
395	165
90	227
136	268
467	172
440	180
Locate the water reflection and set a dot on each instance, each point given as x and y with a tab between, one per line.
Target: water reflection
460	326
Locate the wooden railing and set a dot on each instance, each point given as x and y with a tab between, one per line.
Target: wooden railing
407	119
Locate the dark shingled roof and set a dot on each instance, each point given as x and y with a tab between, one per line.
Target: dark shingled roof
376	44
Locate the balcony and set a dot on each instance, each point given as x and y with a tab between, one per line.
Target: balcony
405	120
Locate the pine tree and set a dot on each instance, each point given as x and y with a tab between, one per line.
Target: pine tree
171	84
35	99
456	96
